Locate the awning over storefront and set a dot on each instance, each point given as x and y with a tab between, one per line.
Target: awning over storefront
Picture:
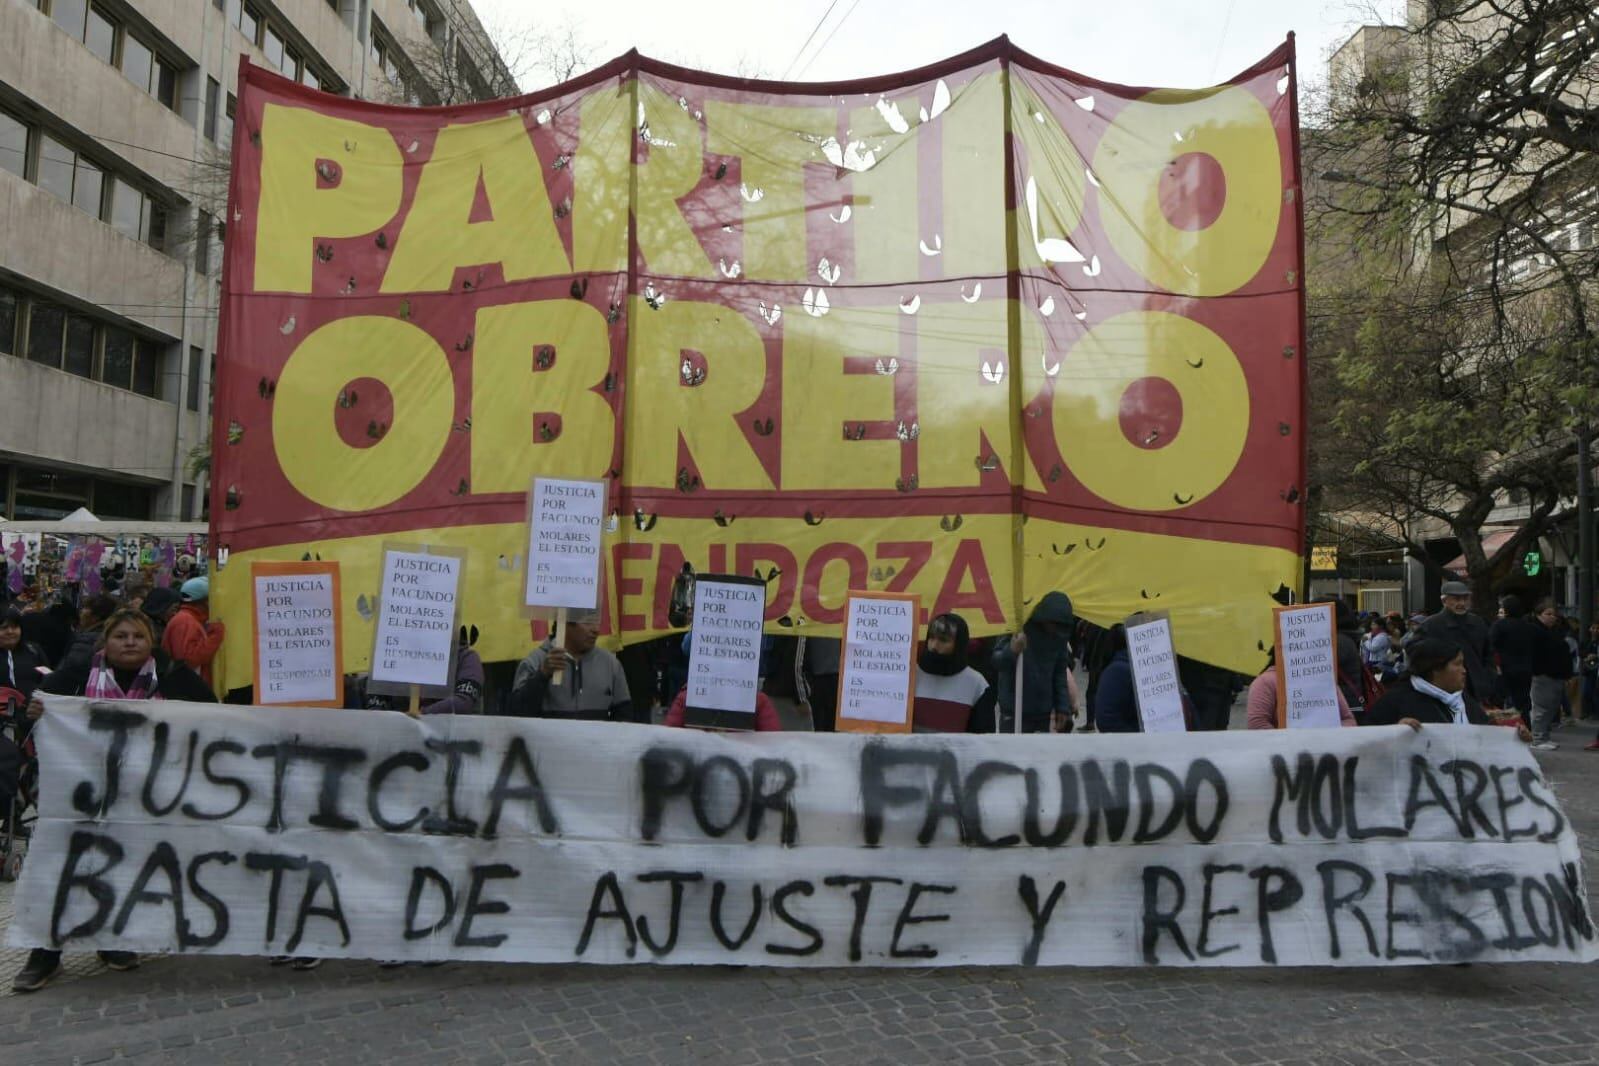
1492	541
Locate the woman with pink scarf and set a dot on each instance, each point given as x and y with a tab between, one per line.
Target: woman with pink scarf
126	666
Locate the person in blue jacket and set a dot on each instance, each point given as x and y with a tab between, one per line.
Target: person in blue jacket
1115	703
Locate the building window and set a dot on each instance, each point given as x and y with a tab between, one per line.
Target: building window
187	514
70	15
55	167
117	366
88	187
212	93
272	46
45	324
137	61
166	84
13	146
127	209
113	499
249	23
101	35
10	314
44	494
80	346
192	390
202	242
147	368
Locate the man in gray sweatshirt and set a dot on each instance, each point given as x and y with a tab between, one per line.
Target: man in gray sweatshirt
592	686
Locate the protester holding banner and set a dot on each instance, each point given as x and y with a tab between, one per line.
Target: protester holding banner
191	637
128	667
20	660
1433	692
1262	701
572	679
951	697
1046	656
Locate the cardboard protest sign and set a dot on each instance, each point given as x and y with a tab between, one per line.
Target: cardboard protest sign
565	527
298	633
545	841
1306	643
724	659
414	638
877	663
1155	684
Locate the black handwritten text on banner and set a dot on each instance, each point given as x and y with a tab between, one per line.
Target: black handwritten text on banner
175	827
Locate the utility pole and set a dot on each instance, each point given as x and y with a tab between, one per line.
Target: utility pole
1585	544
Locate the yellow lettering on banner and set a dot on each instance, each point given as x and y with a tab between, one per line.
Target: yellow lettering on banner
510	394
1228	128
886	215
822	405
300	205
1052	164
974	181
310	451
956	404
438	235
672	166
773	145
600	191
706	415
1188	357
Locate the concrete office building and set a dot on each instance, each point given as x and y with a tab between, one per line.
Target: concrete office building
115	126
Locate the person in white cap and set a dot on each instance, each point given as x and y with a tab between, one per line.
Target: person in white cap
191	637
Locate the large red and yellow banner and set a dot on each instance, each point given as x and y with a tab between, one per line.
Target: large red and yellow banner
975	332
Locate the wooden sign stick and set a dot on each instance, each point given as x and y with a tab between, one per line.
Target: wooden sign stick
558	633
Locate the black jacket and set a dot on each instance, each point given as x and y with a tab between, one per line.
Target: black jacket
1403	700
1515	641
80	652
1469	633
19	668
174	681
1552	655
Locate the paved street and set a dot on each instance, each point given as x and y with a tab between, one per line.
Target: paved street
240	1010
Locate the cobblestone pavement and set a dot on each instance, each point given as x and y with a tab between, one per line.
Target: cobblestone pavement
240	1010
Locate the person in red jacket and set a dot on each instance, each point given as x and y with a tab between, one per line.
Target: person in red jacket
766	719
191	637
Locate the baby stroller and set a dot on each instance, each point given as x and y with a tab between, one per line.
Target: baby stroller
19	779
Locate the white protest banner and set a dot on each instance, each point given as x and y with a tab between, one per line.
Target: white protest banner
1155	685
724	657
566	523
414	638
1307	667
368	834
298	624
877	663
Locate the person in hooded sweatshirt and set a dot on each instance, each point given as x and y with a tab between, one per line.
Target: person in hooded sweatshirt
951	696
86	640
1046	669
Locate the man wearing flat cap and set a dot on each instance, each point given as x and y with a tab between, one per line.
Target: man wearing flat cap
569	676
1457	624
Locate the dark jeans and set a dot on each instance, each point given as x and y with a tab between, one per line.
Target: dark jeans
824	702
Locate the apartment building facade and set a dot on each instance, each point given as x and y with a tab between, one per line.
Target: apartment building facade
115	131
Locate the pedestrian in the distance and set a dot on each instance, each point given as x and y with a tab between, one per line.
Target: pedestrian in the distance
1457	624
1551	667
1515	639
